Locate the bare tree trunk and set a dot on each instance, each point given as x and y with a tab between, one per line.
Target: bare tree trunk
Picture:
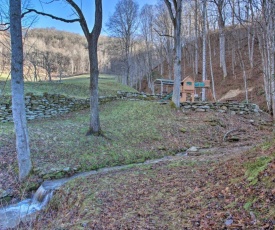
18	101
203	96
273	81
176	19
196	42
221	22
92	46
211	66
251	41
177	60
222	52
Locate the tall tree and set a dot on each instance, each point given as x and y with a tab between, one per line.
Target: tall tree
17	85
92	40
164	28
221	22
146	22
204	37
175	11
123	24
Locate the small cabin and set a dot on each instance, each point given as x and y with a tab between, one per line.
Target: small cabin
187	89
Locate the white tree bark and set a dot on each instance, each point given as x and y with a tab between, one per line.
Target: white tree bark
196	41
17	85
175	16
203	96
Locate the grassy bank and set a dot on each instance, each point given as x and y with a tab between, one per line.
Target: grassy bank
73	87
186	194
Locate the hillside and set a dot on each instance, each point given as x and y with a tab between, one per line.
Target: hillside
77	86
231	87
71	49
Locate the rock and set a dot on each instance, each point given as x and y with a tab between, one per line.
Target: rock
3	193
205	107
200	110
228	222
180	154
192	149
67	169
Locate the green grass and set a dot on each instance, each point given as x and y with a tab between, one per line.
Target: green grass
131	130
253	169
73	87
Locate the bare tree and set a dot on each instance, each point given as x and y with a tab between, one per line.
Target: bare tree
175	9
146	22
164	28
18	100
92	39
204	40
123	24
221	22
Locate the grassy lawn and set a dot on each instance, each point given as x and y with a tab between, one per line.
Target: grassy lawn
73	87
127	126
134	132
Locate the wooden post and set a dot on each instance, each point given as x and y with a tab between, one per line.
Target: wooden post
161	88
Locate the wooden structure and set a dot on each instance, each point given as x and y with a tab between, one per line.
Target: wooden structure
162	83
187	90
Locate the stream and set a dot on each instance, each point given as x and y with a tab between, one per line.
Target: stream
26	210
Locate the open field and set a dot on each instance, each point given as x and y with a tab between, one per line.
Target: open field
74	86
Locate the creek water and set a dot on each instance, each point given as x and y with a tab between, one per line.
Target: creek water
24	211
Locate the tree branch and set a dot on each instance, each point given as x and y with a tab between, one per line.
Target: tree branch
5	26
51	16
169	7
81	19
163	35
98	18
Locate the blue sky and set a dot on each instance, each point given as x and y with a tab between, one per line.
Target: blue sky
63	10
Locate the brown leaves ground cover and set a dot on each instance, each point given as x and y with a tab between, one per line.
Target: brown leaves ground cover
186	193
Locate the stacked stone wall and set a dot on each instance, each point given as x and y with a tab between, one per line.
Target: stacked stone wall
50	105
222	107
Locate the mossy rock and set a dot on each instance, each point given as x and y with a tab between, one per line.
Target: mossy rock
54	175
5	199
183	130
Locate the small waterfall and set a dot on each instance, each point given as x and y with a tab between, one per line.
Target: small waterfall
42	197
23	211
12	215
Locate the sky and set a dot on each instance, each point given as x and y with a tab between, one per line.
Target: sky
63	10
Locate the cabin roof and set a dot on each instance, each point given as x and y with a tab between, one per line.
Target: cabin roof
187	78
164	81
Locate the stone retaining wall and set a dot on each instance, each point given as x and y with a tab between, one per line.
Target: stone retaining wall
223	107
49	105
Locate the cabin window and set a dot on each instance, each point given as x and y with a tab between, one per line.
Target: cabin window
188	83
